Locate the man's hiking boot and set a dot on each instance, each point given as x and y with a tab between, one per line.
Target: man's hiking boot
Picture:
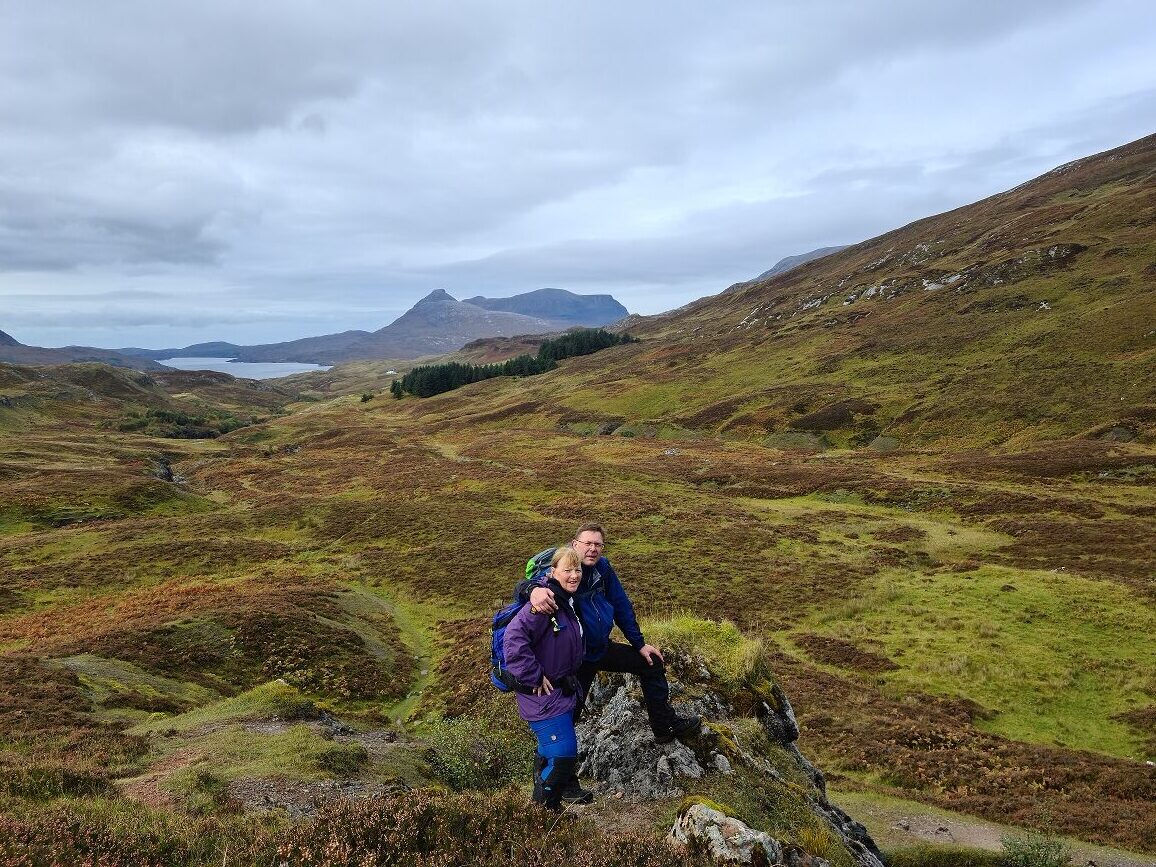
573	793
676	728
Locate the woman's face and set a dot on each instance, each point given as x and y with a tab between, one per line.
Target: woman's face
568	576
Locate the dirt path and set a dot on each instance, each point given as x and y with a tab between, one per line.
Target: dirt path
894	823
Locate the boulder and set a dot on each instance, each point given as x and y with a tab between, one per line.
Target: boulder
723	838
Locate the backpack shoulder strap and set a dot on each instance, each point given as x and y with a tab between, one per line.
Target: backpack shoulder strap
539	562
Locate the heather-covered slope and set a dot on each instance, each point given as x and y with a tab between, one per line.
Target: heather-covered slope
1025	317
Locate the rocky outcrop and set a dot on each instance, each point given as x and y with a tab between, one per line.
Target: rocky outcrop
750	731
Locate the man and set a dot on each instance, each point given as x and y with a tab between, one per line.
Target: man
602	603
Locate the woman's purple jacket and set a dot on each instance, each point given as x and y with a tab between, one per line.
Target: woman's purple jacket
533	648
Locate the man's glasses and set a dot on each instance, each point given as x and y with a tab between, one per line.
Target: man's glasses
597	546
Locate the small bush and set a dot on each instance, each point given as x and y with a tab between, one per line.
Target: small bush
1034	850
478	753
201	792
425	828
344	760
51	779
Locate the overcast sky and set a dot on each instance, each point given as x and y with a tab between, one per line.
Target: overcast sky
172	172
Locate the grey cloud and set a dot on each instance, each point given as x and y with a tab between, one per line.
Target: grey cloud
286	154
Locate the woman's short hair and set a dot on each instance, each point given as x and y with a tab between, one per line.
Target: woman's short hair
565	556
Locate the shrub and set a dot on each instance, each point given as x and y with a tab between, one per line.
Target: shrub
201	792
425	828
479	753
1034	850
53	778
344	760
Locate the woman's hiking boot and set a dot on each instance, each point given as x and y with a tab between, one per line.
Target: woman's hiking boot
554	783
573	793
538	797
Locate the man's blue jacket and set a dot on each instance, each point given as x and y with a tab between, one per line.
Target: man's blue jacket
602	602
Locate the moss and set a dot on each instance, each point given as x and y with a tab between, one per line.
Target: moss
691	800
926	855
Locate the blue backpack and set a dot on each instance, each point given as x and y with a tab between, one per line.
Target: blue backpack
499	674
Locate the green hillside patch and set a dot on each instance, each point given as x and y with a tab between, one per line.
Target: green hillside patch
1055	656
123	690
268	700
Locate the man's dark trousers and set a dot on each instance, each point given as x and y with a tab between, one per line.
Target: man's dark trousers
652	678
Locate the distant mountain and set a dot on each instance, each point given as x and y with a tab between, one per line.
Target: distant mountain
437	324
13	352
307	349
557	305
795	261
216	349
783	265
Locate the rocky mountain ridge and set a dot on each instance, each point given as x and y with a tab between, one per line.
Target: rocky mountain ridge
558	305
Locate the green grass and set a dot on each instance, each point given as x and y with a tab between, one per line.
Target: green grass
726	651
1056	657
106	680
262	702
297	753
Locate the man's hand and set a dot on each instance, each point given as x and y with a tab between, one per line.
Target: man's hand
542	601
649	652
546	688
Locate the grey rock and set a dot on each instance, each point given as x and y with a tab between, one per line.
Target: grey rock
722	764
725	839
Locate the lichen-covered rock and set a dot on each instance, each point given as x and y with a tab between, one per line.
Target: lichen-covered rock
724	839
618	748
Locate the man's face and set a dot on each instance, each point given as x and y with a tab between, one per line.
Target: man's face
589	546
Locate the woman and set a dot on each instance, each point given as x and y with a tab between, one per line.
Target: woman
544	651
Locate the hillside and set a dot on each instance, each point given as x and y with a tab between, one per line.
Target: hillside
1027	316
17	353
8	340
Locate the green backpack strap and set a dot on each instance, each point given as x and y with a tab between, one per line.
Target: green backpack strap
539	562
